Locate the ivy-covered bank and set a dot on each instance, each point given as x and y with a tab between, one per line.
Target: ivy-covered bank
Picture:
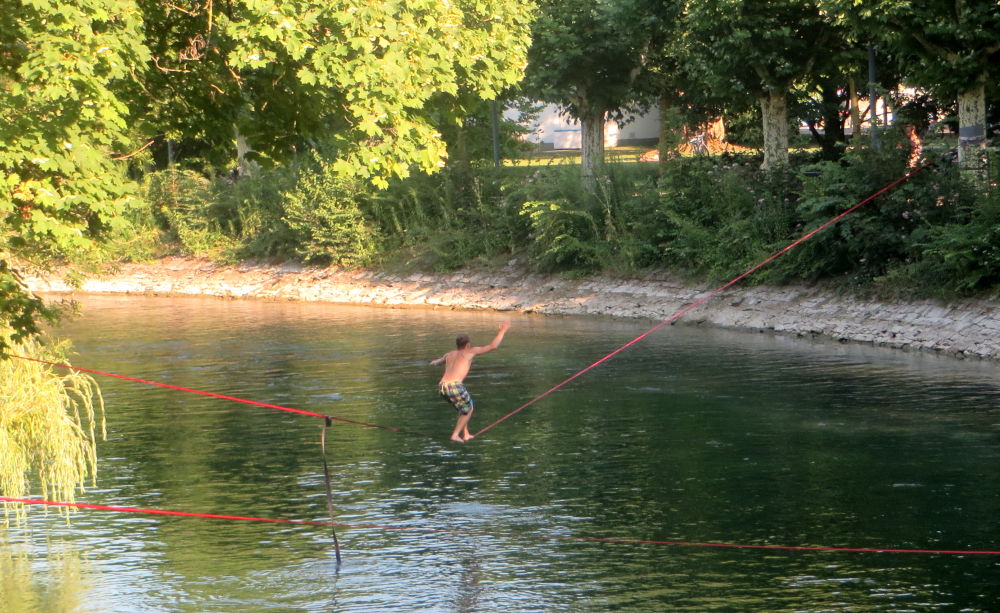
963	328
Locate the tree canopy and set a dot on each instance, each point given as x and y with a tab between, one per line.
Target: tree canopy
948	47
369	80
84	83
63	131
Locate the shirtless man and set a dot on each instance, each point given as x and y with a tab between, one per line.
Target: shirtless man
456	367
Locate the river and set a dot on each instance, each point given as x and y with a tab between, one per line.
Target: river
689	438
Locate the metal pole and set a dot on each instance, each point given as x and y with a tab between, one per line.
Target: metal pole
872	96
496	135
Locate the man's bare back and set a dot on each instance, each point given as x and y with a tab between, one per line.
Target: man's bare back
457	364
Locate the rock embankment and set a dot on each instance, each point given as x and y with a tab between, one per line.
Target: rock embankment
963	329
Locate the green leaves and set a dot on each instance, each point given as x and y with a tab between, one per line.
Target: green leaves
367	82
372	70
763	46
62	119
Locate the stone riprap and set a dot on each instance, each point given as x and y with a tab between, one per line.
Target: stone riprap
962	328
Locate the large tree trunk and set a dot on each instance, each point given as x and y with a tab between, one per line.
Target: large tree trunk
833	130
774	108
972	126
592	142
244	167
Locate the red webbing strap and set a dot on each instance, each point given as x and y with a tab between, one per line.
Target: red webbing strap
534	536
221	396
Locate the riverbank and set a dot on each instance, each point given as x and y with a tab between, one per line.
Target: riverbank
969	328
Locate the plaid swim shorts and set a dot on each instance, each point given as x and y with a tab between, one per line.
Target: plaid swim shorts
455	393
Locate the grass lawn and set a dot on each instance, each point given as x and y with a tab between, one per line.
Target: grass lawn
572	156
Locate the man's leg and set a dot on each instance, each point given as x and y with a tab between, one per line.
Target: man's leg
465	426
461	433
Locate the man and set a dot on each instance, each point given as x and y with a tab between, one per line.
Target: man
456	367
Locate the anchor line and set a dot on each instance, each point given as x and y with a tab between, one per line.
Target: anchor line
533	536
712	294
266	405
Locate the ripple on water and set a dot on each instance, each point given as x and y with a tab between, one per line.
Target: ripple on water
692	435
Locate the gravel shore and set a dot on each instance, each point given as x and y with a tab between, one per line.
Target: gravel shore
968	328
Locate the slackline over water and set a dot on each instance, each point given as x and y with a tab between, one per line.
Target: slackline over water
533	536
328	419
695	304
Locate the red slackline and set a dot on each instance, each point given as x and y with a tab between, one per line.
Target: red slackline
711	294
222	396
554	537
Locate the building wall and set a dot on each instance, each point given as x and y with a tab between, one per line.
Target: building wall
553	129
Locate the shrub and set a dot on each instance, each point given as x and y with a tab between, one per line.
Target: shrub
446	220
326	221
581	226
961	256
562	237
249	209
884	233
182	205
719	216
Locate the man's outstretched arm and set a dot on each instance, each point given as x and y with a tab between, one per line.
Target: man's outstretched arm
496	339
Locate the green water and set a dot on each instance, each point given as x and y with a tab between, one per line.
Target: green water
692	435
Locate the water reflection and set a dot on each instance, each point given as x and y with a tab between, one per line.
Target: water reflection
692	435
57	581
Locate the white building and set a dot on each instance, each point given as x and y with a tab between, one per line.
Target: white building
552	129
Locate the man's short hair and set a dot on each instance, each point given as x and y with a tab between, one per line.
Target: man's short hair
462	340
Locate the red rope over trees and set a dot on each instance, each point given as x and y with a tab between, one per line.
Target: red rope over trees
711	294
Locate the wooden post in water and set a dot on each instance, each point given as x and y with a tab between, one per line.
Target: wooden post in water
327	422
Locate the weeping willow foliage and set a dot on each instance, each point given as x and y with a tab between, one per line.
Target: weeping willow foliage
49	424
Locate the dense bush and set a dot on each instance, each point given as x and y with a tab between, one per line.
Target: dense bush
935	233
887	232
709	217
323	212
212	217
959	254
580	226
181	204
447	220
251	210
719	216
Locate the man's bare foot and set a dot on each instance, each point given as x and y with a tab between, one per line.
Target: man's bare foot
457	439
469	437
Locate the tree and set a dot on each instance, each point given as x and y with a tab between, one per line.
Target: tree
947	46
587	57
48	426
370	78
762	48
63	136
84	82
